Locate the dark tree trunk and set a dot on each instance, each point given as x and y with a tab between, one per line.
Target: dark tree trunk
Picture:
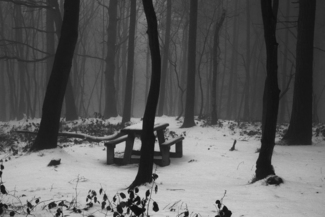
147	138
264	166
49	127
232	94
70	103
190	90
246	116
3	92
130	66
21	65
3	104
54	15
165	60
214	115
125	26
283	99
300	129
50	41
110	99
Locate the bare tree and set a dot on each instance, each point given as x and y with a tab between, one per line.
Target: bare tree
49	127
110	99
130	66
264	166
216	53
147	137
300	129
190	90
165	59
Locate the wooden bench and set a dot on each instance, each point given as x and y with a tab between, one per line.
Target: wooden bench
110	147
165	150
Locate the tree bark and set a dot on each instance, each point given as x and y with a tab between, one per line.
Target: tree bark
147	137
130	66
50	41
22	108
70	103
165	60
3	104
232	94
214	115
49	127
283	100
54	15
264	166
300	129
110	99
190	91
246	116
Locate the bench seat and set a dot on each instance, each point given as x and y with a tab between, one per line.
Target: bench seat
165	150
110	147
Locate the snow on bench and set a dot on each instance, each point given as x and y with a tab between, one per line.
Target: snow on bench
165	149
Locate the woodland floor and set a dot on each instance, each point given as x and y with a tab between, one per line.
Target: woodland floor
207	172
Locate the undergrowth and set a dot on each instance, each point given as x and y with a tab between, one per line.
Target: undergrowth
123	204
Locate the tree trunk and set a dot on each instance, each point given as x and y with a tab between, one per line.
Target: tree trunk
50	41
125	13
21	65
232	95
283	99
3	92
246	115
49	127
54	15
214	115
3	104
130	66
165	59
147	137
264	166
190	91
300	129
70	103
110	99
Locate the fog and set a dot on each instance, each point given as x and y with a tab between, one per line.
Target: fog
28	39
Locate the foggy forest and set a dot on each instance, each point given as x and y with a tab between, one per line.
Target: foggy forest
29	36
80	77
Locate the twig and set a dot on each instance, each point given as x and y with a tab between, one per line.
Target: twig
239	164
223	197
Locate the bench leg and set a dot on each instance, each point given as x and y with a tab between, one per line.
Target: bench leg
110	154
179	149
128	150
161	136
165	154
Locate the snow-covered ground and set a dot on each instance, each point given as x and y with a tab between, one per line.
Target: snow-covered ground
194	182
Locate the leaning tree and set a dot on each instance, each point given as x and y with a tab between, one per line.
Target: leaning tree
48	132
271	93
147	137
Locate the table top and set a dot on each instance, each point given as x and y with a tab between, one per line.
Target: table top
137	128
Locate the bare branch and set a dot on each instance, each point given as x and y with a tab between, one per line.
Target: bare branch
101	4
320	49
28	3
24	60
33	28
288	83
89	56
27	45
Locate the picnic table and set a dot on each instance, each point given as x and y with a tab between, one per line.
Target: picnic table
133	131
